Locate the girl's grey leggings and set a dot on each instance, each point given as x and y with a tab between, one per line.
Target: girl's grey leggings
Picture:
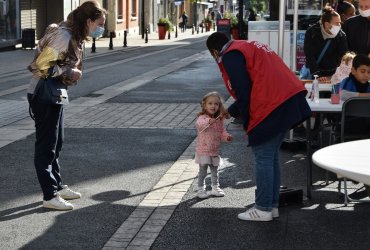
203	174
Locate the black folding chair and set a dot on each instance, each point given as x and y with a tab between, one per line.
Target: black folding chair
354	125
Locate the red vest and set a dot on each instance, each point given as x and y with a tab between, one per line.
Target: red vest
272	81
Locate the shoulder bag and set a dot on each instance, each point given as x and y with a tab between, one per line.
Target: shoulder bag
51	90
305	72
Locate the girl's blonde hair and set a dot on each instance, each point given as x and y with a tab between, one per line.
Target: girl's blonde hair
348	57
221	109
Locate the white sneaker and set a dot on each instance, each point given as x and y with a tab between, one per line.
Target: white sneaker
202	193
57	203
68	194
255	214
275	212
216	191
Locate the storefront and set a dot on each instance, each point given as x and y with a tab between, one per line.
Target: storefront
9	22
16	16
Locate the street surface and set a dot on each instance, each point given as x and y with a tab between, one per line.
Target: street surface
129	147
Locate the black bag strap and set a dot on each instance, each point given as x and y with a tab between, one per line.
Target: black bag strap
323	51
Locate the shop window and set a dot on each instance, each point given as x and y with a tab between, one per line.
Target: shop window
120	9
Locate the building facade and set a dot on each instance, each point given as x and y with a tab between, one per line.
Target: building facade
133	16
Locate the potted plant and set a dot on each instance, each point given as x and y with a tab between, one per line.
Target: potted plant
164	25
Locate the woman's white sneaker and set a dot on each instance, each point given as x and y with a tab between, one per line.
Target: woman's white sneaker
68	194
57	203
254	214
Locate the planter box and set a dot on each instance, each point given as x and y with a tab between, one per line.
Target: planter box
162	32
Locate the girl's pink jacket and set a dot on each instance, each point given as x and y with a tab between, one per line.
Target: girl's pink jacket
209	141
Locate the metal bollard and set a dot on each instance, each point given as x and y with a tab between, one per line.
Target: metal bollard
192	29
93	47
146	35
169	35
198	29
125	38
176	32
111	34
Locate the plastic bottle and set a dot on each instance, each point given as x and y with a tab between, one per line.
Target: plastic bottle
315	90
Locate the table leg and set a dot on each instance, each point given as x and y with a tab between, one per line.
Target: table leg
309	165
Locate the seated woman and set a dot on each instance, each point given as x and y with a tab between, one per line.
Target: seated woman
327	34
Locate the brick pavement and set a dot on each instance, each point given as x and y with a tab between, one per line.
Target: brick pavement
143	226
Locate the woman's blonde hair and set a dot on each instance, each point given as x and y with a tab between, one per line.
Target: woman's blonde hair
221	109
348	57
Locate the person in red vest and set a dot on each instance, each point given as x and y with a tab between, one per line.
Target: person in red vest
270	100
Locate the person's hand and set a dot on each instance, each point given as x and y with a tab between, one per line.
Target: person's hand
76	74
230	138
324	79
226	115
211	120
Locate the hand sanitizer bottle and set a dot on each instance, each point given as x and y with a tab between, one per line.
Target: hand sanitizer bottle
315	89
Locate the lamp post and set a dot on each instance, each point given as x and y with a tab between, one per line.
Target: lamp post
241	20
142	19
195	13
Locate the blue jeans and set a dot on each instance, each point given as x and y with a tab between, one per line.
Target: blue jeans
268	173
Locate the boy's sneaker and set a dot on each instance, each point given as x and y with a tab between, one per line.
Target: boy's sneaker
216	191
202	193
254	214
275	212
57	203
68	194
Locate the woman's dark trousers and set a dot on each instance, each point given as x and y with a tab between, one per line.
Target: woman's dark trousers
49	140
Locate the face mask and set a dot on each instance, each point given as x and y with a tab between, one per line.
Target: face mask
365	13
98	32
334	29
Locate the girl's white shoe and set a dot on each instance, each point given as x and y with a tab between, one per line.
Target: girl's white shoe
216	191
202	194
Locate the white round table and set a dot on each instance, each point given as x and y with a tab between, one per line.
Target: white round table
348	159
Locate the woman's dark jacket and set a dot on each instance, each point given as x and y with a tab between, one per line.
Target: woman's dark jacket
313	45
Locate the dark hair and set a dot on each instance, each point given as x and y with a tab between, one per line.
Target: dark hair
343	6
359	60
77	19
327	14
216	41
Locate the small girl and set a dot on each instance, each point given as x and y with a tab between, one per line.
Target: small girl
344	68
211	132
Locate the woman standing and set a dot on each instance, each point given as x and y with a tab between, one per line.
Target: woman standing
59	55
326	33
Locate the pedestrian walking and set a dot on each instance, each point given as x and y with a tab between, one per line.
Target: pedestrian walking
270	100
184	18
59	55
211	132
